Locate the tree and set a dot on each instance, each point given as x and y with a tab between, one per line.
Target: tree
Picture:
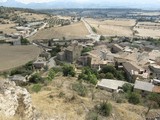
127	87
24	41
109	75
102	38
109	69
86	49
134	98
68	70
111	72
88	75
94	29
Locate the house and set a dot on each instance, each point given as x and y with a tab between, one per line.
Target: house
116	48
45	54
155	68
71	53
119	62
18	79
134	71
84	61
61	56
40	63
142	86
110	85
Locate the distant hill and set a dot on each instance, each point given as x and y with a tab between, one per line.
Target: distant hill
92	4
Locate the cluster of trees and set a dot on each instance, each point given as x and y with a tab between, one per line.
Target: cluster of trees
110	72
88	75
55	50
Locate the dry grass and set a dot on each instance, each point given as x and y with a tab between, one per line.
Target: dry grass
119	27
14	56
3	117
148	29
50	105
76	30
6	28
31	16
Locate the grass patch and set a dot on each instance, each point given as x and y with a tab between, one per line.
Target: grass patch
36	88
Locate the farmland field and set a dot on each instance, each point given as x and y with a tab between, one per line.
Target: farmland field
15	56
112	27
148	29
76	30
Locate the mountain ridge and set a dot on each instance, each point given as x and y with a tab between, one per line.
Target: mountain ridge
74	4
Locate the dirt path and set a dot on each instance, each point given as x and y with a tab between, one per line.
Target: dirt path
92	35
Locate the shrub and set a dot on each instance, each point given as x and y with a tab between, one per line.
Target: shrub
154	97
51	75
80	89
36	78
68	70
36	88
109	75
127	87
134	98
105	109
61	94
92	116
102	37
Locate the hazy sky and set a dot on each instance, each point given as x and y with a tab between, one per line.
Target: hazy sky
97	1
152	2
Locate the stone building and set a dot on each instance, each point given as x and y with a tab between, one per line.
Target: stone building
71	53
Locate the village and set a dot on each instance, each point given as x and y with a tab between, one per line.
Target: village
125	69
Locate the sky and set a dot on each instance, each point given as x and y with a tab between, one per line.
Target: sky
143	4
94	1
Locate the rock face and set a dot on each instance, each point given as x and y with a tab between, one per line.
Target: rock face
15	101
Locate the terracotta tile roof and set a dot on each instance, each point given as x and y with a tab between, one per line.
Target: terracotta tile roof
156	89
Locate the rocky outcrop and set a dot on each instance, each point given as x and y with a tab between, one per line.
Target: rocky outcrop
15	101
